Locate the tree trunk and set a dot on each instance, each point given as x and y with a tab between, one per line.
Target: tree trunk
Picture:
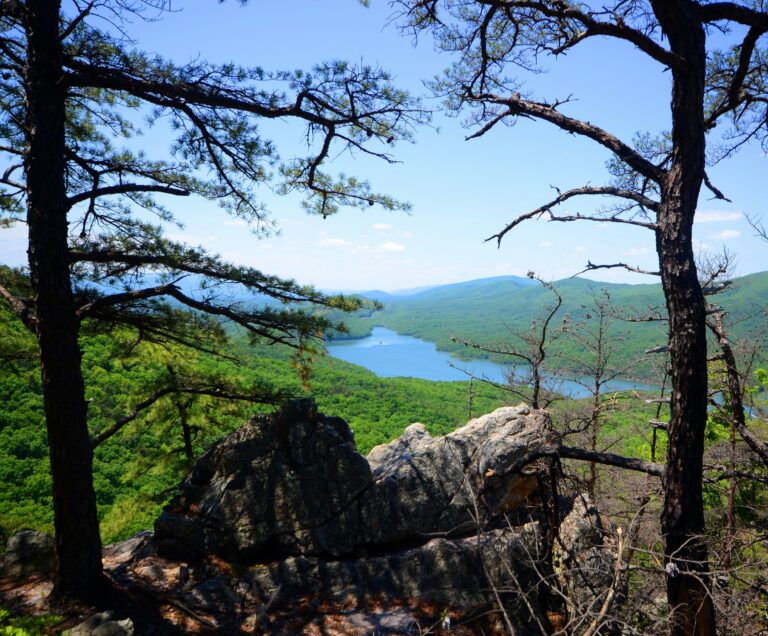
594	427
78	546
683	513
734	401
186	432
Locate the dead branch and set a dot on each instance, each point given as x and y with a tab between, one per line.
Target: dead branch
591	266
587	190
610	459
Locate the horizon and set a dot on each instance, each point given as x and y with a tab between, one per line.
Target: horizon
462	191
407	291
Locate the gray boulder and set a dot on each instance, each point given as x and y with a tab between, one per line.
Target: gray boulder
29	552
102	624
449	573
282	483
454	483
584	557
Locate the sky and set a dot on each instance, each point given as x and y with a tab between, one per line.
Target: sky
461	191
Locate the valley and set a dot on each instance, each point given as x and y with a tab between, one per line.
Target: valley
498	311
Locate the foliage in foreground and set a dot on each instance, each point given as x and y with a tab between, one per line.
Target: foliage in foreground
26	625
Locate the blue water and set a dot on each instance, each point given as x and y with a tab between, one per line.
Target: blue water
388	355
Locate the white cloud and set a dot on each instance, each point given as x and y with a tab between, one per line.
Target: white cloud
637	251
545	244
393	247
581	248
727	234
382	226
332	242
235	222
716	216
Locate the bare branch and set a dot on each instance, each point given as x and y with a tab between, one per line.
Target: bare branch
732	12
758	226
597	623
718	194
591	266
609	459
22	307
726	472
77	20
643	201
592	27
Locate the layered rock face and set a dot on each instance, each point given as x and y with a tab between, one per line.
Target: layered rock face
427	528
293	483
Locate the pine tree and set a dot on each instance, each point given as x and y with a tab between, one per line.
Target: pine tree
69	85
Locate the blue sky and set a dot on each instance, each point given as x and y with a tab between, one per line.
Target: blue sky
461	191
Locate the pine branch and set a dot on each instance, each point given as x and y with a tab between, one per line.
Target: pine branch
517	106
212	391
125	188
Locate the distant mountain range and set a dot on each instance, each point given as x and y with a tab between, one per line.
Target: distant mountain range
494	311
396	294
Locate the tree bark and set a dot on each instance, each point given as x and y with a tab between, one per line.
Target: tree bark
683	512
186	432
78	546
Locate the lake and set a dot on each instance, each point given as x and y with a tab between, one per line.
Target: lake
388	355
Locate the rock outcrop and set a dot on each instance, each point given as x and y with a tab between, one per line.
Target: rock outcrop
284	528
294	484
284	518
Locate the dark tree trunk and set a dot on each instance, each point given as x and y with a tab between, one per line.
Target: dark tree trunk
78	546
536	384
186	432
594	429
683	512
736	404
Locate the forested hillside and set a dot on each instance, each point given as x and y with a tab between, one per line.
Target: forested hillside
495	311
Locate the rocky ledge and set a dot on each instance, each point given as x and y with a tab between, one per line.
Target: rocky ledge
283	527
